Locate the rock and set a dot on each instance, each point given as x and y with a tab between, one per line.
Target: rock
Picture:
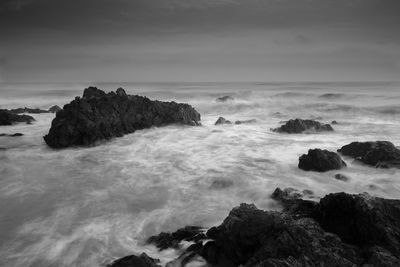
8	118
246	121
299	126
320	161
334	122
362	220
54	109
222	120
28	110
380	154
100	116
172	240
224	98
135	261
253	237
341	177
12	135
292	203
221	184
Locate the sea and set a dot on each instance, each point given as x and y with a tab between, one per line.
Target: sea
87	206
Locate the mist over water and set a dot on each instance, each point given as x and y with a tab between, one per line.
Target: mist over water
88	206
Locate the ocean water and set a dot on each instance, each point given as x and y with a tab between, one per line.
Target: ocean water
88	206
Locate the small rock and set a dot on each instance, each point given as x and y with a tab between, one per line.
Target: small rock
224	98
299	126
246	121
54	109
321	161
334	122
222	120
341	177
221	184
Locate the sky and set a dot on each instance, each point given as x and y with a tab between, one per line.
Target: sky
199	40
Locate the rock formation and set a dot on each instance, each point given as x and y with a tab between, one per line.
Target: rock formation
299	126
320	161
54	109
224	98
8	118
100	116
222	120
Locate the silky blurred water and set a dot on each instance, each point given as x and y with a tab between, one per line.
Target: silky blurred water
88	206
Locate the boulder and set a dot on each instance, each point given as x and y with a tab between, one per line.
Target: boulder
380	154
292	202
172	240
8	118
320	161
222	120
224	98
341	177
299	126
54	109
100	116
136	261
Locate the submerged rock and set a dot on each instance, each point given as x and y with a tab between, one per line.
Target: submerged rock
299	126
136	261
8	118
222	120
224	98
28	110
320	161
380	154
54	109
172	240
100	116
246	121
12	135
341	177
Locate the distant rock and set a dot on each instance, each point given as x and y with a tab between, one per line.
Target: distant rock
54	109
100	116
28	110
321	161
299	126
225	98
330	95
136	261
12	135
341	177
334	122
222	120
8	118
172	240
380	154
246	121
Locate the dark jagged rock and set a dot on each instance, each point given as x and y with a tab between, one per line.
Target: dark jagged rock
341	177
224	98
292	203
172	240
362	220
54	109
381	154
135	261
253	237
222	120
246	121
299	126
28	110
100	116
320	160
12	135
8	118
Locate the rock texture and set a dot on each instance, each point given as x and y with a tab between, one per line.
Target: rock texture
320	161
340	230
222	120
299	126
100	116
135	261
8	118
54	109
380	154
172	240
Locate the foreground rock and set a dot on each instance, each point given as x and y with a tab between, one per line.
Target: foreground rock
320	161
172	240
54	109
299	126
224	98
380	154
135	261
222	120
8	118
340	230
100	116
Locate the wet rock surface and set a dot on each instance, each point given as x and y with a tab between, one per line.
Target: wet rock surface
380	154
136	261
320	160
54	109
8	118
100	116
222	120
300	126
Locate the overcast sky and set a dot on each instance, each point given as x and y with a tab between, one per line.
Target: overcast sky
199	40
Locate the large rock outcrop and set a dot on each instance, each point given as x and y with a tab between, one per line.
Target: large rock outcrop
321	161
380	154
8	118
100	116
299	126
